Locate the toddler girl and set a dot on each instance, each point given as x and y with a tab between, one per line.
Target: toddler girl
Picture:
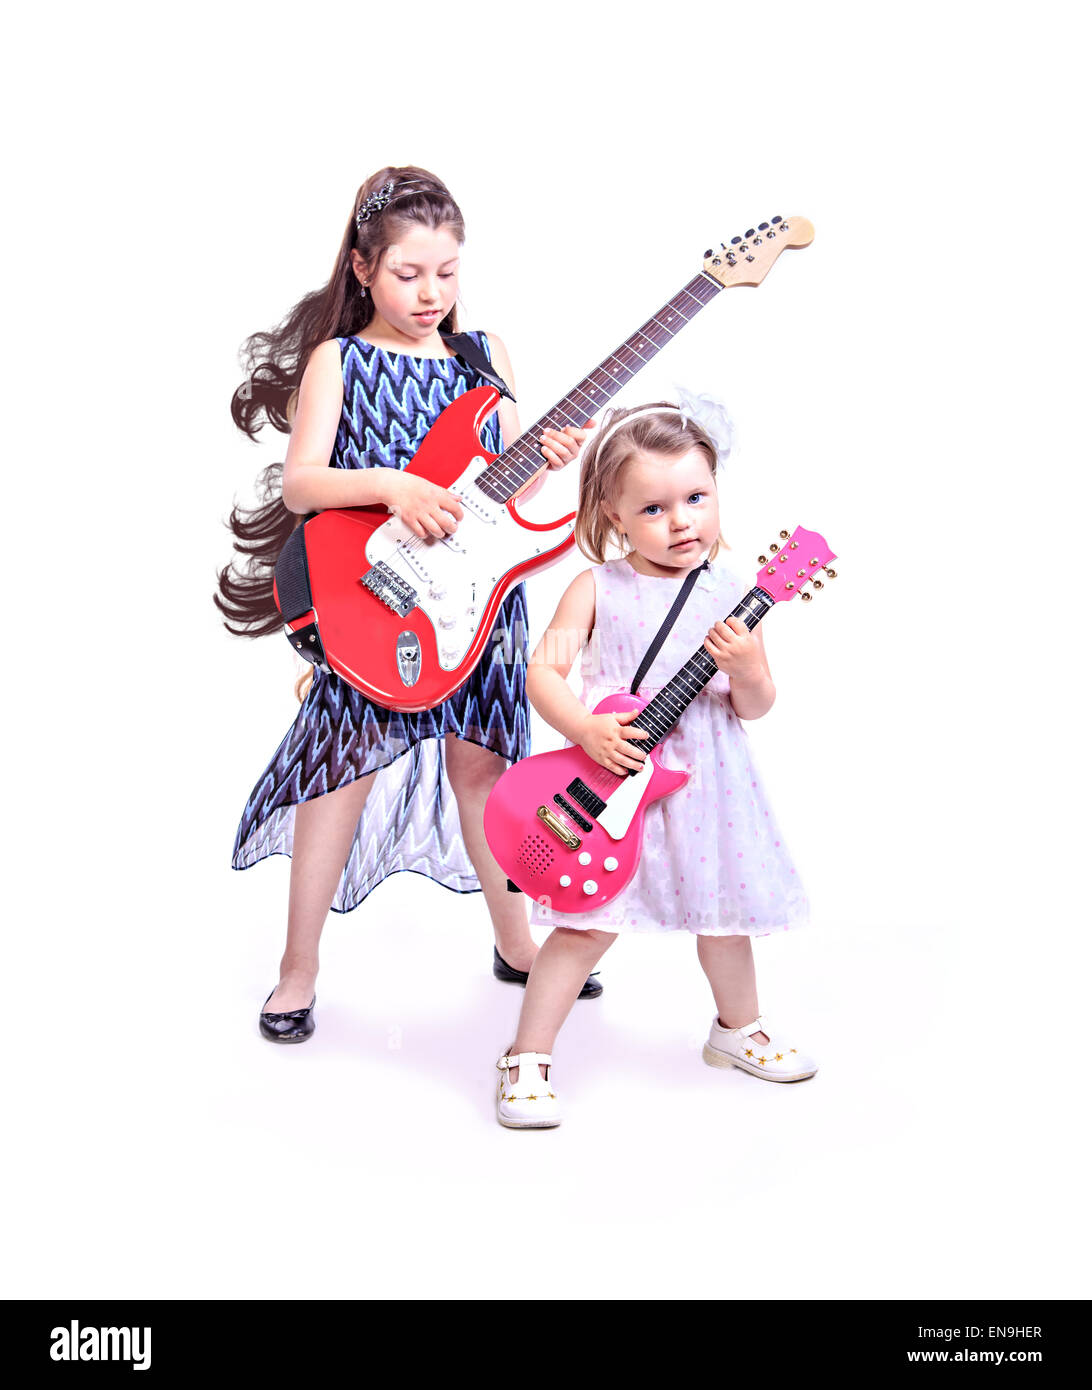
713	862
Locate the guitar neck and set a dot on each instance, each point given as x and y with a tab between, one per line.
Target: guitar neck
523	458
668	705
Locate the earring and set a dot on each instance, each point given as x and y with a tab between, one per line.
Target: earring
363	290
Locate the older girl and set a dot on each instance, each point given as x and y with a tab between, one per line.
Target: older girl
359	371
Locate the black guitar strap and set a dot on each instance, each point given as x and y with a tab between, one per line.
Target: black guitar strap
472	355
669	622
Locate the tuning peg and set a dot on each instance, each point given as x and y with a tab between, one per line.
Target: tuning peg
830	574
749	233
784	535
805	598
816	583
774	549
762	559
708	253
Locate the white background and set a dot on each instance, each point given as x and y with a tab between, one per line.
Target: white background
909	385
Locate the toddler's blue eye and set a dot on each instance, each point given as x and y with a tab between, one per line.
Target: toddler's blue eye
652	507
695	494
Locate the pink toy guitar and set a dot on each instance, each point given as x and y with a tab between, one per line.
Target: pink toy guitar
566	830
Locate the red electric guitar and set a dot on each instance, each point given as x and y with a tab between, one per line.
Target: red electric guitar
568	831
404	619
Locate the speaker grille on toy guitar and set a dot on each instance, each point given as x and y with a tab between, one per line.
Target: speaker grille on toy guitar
536	855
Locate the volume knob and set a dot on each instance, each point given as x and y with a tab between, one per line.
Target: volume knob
447	620
590	886
436	591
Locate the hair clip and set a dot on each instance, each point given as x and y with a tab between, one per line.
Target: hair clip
377	201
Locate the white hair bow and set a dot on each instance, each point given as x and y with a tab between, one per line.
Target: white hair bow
712	416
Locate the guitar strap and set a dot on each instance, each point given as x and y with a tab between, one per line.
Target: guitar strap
669	622
472	355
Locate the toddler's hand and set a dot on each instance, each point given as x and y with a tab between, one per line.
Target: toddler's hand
734	649
428	510
604	739
560	447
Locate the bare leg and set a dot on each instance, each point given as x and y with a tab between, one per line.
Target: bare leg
557	977
473	772
729	965
324	832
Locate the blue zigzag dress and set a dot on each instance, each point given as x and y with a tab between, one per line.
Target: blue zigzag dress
410	819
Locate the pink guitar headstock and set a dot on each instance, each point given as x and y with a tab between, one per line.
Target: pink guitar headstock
792	565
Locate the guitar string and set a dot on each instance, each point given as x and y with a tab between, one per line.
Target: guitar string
509	457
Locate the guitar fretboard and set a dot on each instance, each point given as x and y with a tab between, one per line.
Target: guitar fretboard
668	705
523	458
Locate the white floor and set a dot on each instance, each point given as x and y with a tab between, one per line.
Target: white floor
928	1158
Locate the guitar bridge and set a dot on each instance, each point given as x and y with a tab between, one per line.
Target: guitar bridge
563	833
391	589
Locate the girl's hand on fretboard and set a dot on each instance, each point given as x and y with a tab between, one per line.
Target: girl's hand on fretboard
736	651
560	447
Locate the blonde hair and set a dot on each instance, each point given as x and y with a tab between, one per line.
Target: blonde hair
645	429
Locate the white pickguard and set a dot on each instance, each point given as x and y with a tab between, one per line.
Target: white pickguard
618	815
454	577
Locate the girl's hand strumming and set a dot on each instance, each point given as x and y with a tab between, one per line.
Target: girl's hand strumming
735	650
428	510
560	447
605	739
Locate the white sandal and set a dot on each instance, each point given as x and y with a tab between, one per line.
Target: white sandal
773	1061
528	1103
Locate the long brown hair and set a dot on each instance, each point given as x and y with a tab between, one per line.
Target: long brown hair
274	363
609	452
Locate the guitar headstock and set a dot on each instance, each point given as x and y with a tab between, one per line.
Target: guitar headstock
793	563
747	257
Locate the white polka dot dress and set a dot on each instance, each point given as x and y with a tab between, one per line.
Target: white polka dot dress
713	861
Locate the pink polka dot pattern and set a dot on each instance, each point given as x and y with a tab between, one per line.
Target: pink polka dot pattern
700	872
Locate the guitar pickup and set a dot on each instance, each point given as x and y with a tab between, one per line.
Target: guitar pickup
563	833
391	589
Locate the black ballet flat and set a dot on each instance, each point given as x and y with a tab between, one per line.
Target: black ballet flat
294	1027
503	971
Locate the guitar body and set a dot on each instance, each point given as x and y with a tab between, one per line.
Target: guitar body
448	591
529	847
